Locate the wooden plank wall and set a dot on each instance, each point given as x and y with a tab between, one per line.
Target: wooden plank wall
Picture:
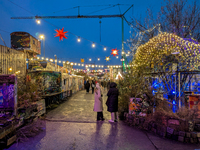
11	58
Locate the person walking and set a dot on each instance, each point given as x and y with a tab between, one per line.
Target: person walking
112	102
87	87
93	86
98	103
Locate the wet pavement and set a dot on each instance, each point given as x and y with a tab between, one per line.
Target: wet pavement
73	126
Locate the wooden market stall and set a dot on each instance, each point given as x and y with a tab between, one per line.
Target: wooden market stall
50	83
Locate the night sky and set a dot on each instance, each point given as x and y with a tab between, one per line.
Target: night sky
69	49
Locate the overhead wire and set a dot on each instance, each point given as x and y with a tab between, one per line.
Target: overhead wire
20	6
4	31
101	9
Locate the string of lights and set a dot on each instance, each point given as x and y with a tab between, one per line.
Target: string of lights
168	44
87	65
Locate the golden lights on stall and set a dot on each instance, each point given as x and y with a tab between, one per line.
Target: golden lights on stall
10	69
165	44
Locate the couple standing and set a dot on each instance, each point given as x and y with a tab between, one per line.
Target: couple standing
112	102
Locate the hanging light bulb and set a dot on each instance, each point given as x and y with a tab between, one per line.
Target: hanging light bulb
78	39
38	21
42	58
63	62
38	57
59	61
90	59
117	57
93	45
47	58
98	59
104	48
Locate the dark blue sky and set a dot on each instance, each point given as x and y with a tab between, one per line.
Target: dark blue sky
69	49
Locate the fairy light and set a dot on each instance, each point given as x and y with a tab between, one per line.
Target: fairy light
78	39
10	69
90	59
63	62
42	58
104	48
59	61
98	59
47	58
38	21
93	45
38	57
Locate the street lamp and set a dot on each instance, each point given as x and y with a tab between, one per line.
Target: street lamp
42	37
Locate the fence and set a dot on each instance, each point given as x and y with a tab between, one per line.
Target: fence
12	61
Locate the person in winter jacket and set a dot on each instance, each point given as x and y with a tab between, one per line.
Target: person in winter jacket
87	86
112	102
98	104
93	86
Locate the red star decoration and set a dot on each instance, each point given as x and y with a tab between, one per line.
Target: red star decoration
61	34
114	52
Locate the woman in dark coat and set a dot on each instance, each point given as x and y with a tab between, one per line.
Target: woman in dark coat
112	102
87	86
